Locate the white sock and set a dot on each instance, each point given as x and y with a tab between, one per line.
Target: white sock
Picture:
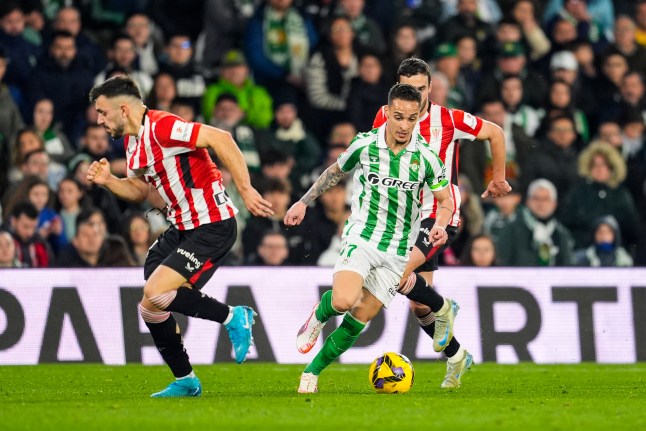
189	376
459	355
229	317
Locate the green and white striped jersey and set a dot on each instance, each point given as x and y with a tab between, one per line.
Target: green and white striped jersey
386	189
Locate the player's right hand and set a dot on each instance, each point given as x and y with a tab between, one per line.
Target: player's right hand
99	172
295	214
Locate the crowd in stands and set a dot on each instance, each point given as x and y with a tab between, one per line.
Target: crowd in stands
293	81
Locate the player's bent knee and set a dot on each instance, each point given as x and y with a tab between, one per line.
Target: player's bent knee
150	316
159	300
342	303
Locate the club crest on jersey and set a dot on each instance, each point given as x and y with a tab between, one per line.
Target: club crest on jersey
375	179
435	133
414	165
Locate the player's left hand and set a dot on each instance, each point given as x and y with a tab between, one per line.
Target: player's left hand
256	204
438	236
496	189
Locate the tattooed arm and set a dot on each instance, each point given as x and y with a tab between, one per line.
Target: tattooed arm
328	179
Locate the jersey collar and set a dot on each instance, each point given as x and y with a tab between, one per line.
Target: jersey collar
143	122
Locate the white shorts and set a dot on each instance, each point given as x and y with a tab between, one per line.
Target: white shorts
381	271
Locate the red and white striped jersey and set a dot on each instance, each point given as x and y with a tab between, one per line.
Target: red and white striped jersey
164	153
441	128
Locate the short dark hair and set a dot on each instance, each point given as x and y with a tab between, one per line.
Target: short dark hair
32	153
121	85
26	208
274	185
224	97
85	215
62	33
7	7
273	156
121	36
404	92
413	66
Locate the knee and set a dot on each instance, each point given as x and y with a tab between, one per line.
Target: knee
342	303
150	290
157	297
420	310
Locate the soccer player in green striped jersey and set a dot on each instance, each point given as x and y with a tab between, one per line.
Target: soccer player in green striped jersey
390	166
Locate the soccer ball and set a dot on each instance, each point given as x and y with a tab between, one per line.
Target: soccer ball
391	373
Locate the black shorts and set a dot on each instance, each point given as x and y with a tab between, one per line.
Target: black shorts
196	253
432	253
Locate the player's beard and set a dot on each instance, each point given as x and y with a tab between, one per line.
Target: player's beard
117	132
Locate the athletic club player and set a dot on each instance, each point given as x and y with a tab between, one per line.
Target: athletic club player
172	155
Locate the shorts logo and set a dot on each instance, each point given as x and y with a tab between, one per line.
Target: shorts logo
375	179
192	259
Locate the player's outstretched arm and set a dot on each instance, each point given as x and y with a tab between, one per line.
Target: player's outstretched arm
445	210
328	179
129	189
496	137
230	155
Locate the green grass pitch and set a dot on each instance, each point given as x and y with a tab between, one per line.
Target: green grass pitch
258	396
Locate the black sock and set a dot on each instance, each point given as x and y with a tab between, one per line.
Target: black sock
453	346
169	342
194	303
426	295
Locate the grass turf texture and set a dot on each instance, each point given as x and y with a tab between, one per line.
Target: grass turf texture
263	396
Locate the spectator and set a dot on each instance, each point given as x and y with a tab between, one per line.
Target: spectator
470	64
272	250
331	253
225	22
27	140
640	20
37	163
329	74
288	135
184	109
123	56
116	253
586	26
632	98
561	103
8	251
65	80
511	60
505	211
163	93
440	89
229	116
89	54
601	11
10	118
367	33
403	45
536	237
564	66
447	62
600	193
556	157
95	143
22	53
85	249
180	65
56	143
479	251
524	13
69	204
254	100
278	41
98	197
511	93
606	249
31	250
173	17
475	157
299	239
342	133
147	44
633	150
367	92
466	22
614	67
38	193
276	164
139	237
626	45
